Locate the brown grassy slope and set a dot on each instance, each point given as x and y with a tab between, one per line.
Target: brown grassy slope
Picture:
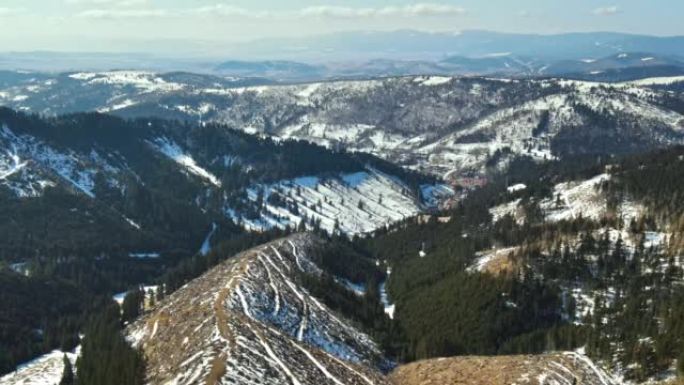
500	370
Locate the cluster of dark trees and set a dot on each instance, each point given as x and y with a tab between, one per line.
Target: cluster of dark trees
654	180
106	357
37	316
442	309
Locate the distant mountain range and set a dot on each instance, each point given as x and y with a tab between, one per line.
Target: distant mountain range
597	56
413	45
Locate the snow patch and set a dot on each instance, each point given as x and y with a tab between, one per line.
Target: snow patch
432	80
175	153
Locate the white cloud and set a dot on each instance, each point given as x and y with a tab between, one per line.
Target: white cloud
111	3
606	11
411	10
4	12
123	13
111	9
227	11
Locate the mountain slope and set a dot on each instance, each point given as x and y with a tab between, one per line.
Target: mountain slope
577	253
99	171
436	124
548	369
106	204
248	321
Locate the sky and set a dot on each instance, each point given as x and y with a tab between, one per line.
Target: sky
118	25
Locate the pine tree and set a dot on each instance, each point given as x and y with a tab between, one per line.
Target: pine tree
132	305
67	373
152	297
160	292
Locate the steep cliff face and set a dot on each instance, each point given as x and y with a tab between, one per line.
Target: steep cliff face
247	321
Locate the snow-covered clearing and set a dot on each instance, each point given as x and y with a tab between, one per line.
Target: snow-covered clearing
354	203
432	80
384	297
356	288
119	106
516	187
119	297
570	200
174	152
143	81
486	259
433	195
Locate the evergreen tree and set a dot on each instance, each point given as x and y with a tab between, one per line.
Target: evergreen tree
132	304
67	373
106	358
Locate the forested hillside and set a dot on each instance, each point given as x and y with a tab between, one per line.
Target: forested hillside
93	205
549	258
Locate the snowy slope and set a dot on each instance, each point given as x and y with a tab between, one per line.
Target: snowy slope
44	370
29	165
143	81
247	321
571	200
351	203
174	152
356	203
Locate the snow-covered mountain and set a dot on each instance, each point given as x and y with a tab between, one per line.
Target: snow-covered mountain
441	125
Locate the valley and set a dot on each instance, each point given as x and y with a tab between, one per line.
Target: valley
405	230
325	192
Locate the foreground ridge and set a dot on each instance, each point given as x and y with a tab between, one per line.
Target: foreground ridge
247	322
565	368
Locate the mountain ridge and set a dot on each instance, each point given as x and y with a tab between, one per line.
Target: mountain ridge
265	329
473	121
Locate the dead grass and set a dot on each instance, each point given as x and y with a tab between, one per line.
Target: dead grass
494	370
218	370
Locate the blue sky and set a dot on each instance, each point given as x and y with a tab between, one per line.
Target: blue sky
107	25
